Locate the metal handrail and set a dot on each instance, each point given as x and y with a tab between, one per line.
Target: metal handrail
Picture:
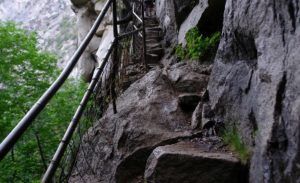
143	34
72	126
136	15
8	143
27	120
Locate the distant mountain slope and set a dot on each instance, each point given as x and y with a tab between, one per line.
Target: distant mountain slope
53	20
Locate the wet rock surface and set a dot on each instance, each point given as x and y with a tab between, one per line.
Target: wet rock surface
117	147
197	161
255	84
188	77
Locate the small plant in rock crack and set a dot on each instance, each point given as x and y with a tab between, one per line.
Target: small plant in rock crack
235	143
198	47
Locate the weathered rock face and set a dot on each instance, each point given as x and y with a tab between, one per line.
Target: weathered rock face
148	116
183	8
255	84
165	11
86	13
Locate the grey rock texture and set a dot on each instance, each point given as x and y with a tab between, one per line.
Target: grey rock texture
86	12
188	77
165	12
255	84
188	162
197	116
148	116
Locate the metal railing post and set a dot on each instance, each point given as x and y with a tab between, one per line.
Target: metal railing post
115	56
144	34
72	126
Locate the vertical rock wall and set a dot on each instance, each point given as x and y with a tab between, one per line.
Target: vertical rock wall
255	84
87	12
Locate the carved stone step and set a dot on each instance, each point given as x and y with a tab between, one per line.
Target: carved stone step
193	163
157	28
158	38
153	58
152	41
151	25
157	51
153	46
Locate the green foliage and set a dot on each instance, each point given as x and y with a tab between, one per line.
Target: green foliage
198	47
25	73
181	52
233	139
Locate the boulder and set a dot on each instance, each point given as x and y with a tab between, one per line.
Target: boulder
188	77
188	162
117	147
255	84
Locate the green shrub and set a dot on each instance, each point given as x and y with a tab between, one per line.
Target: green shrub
198	47
235	143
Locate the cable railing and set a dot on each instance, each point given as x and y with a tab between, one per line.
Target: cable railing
68	147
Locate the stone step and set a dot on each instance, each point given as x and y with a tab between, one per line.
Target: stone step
193	162
152	41
153	58
154	33
154	21
157	51
158	38
151	25
157	28
153	46
150	18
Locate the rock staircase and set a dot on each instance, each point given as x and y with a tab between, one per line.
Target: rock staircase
154	36
154	52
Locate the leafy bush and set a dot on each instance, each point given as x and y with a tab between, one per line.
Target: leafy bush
180	52
198	47
232	138
25	73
